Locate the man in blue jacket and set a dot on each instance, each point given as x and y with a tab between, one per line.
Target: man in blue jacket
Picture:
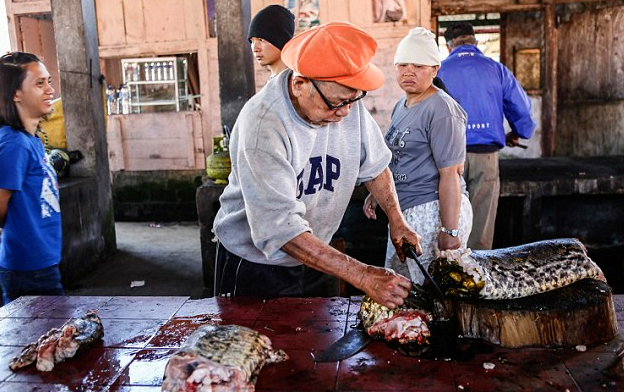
489	92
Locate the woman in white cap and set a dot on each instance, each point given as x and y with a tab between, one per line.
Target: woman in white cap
428	143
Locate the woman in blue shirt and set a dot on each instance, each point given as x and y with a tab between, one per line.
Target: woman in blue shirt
30	241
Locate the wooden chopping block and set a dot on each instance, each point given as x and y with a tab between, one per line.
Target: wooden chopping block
579	314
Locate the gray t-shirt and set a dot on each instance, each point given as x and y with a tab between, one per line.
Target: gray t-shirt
424	138
290	177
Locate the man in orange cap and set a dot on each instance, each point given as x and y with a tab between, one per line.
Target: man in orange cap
299	147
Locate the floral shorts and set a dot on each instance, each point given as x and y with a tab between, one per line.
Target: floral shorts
425	220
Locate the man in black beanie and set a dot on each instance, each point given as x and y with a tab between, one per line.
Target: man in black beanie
460	29
269	31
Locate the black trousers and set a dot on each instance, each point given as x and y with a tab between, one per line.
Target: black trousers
237	277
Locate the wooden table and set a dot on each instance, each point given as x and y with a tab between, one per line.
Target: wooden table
142	332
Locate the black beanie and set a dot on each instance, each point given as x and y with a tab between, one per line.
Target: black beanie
457	30
273	23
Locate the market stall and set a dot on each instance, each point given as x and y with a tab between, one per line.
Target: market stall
141	333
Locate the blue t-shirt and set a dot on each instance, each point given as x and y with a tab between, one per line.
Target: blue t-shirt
31	236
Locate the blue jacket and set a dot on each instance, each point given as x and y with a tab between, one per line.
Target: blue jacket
487	91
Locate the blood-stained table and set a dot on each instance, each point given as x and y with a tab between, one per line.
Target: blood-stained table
142	332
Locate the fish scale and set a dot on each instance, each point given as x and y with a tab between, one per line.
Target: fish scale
59	344
516	272
220	358
231	345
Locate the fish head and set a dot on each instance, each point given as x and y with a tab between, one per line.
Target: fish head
458	275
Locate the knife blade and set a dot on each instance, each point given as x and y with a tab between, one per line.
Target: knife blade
348	345
411	253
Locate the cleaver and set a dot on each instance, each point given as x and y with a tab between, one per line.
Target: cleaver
350	344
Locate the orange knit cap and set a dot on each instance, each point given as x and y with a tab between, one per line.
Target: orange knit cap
337	52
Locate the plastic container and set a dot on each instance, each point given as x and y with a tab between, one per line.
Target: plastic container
124	99
111	100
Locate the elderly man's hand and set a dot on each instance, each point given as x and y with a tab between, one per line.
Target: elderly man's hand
385	286
402	237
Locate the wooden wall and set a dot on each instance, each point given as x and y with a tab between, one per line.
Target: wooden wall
36	36
358	12
131	28
450	7
591	80
15	8
589	73
152	142
149	27
140	28
32	31
587	82
524	31
388	35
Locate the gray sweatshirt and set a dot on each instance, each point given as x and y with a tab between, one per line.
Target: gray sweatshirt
289	176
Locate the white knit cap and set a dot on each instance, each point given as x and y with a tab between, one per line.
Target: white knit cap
418	47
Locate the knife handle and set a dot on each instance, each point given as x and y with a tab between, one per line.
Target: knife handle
438	292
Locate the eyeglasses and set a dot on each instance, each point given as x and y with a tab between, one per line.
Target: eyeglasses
341	104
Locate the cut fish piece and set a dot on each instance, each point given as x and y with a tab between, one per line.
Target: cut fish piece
220	358
56	345
406	325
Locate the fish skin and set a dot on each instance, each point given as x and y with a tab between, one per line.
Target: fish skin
58	344
518	271
220	358
27	356
499	274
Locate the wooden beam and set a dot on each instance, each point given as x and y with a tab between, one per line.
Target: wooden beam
582	1
451	7
424	14
205	52
149	49
549	99
28	7
15	33
454	7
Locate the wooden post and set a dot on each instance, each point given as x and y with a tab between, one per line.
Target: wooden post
549	100
75	32
236	74
207	197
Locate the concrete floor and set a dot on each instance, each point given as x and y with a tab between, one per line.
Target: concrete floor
164	257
